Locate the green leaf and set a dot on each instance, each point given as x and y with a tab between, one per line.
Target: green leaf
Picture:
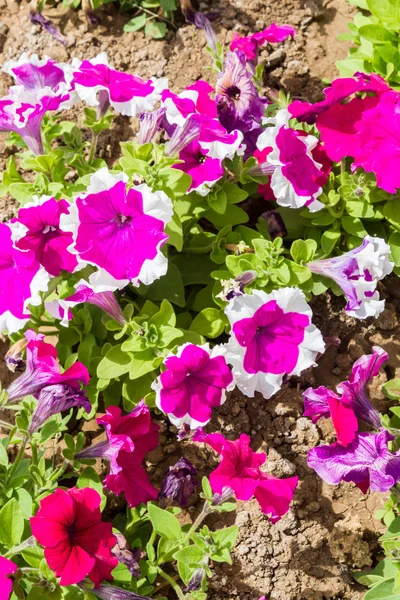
234	193
114	364
3	456
26	503
226	538
382	591
142	363
194	268
11	523
207	491
391	389
175	232
218	201
170	287
155	29
210	322
190	555
376	33
164	523
394	242
385	569
354	226
168	5
165	316
303	251
136	23
329	239
387	11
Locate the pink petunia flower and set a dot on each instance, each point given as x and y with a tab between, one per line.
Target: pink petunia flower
7	570
129	439
357	272
42	370
37	228
77	542
272	34
53	399
339	90
297	178
98	84
272	336
120	230
351	402
239	470
366	461
22	280
194	100
204	170
193	383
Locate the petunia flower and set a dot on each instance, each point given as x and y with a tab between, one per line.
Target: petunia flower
339	90
54	399
357	272
352	403
239	470
195	99
203	23
85	292
297	178
272	34
150	124
7	570
120	230
22	280
193	383
272	336
239	105
37	228
129	439
367	462
127	555
98	84
42	370
179	483
77	542
204	170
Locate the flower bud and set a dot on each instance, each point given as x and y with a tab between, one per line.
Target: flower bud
196	580
218	499
179	483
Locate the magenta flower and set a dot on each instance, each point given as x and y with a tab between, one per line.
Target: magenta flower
353	401
36	75
193	383
85	292
378	147
7	570
96	83
77	542
37	228
42	370
272	336
204	170
249	45
54	399
239	470
194	100
357	272
129	439
339	90
22	280
120	230
297	178
239	105
367	462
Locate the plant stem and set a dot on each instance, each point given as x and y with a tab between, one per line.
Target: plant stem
93	147
6	425
342	170
154	15
17	461
172	583
205	511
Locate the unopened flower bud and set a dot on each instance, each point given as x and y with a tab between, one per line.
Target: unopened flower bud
196	580
179	483
13	358
218	499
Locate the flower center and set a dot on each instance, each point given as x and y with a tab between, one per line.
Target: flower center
124	220
201	159
233	92
49	228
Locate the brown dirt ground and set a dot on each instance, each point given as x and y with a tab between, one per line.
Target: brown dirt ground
308	555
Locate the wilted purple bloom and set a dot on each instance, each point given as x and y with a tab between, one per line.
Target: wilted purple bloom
235	287
367	462
179	483
109	592
357	272
54	399
126	555
239	105
275	224
38	19
13	357
227	493
109	449
150	124
182	136
196	580
202	22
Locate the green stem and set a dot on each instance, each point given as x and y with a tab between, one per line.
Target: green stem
6	425
205	511
342	170
17	461
34	453
93	147
154	15
172	583
57	474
